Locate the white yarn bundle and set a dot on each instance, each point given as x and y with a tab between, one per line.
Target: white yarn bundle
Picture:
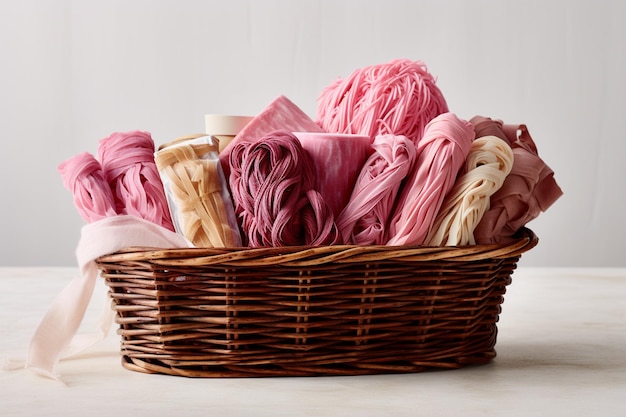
489	162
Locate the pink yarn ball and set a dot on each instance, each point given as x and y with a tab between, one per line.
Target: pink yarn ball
397	98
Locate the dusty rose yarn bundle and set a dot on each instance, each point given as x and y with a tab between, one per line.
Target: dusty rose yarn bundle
123	181
127	160
399	98
272	185
82	175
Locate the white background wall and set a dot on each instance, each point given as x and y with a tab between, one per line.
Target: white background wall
75	71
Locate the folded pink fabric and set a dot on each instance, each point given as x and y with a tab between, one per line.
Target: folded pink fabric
364	219
272	185
398	97
82	175
127	160
55	336
337	160
528	190
440	155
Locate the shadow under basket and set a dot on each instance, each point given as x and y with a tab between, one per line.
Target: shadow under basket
307	311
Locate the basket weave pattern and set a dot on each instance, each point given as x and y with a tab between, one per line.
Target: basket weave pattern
303	311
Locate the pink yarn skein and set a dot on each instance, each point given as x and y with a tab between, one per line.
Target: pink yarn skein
272	183
440	155
399	98
127	160
364	219
82	175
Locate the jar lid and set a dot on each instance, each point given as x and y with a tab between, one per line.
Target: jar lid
227	125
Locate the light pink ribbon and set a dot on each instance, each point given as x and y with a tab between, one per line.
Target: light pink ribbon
364	219
82	175
127	160
55	336
441	153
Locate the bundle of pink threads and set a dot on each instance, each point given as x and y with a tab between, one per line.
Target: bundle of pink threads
125	180
399	98
272	184
440	155
364	220
127	160
82	175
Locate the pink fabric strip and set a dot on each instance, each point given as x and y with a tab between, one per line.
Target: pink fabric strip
528	190
56	332
82	175
127	160
364	220
272	185
440	155
399	97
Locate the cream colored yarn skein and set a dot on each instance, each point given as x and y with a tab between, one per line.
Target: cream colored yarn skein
194	183
488	163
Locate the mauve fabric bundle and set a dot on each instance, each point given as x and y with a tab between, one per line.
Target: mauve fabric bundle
82	175
272	185
365	218
127	160
529	189
441	153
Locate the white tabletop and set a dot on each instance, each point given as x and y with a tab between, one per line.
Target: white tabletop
561	352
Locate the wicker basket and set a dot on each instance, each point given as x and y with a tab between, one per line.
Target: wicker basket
303	311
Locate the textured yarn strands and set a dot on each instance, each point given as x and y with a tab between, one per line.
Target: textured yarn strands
398	98
489	162
364	220
194	183
272	184
82	176
128	163
440	155
528	190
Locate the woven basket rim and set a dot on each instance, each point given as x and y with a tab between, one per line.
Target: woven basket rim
524	240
